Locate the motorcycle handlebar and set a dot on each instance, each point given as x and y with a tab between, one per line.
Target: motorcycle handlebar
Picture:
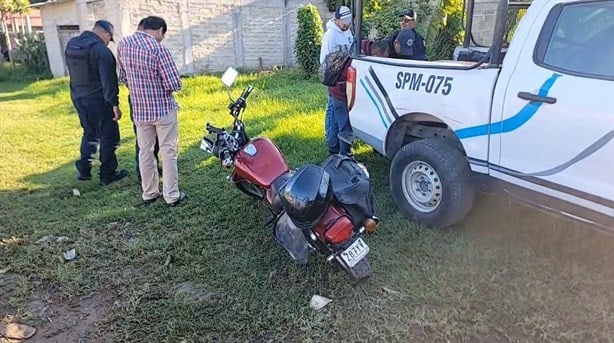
247	92
213	129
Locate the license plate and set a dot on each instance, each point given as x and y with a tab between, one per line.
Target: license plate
356	252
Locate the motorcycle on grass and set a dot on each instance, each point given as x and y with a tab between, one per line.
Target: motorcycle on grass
325	208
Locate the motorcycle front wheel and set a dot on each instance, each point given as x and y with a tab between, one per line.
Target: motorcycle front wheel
250	189
361	271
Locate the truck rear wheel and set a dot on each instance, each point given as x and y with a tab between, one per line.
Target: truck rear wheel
430	180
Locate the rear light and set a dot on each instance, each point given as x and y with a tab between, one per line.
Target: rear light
340	231
350	88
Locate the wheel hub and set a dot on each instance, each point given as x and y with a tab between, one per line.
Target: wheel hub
422	186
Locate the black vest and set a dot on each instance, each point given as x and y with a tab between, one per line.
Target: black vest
84	78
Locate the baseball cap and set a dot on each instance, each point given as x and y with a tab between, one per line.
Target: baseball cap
344	14
408	13
406	40
105	25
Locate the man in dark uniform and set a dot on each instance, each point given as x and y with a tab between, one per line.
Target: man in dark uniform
94	92
408	20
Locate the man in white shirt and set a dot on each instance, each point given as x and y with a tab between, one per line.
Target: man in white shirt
337	33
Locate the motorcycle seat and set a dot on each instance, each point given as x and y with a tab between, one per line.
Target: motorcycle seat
276	188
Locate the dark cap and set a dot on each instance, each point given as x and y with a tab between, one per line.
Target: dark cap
107	26
406	39
408	13
344	14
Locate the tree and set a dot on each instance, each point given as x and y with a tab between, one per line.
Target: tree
7	9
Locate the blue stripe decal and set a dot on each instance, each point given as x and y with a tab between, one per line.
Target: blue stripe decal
374	103
512	123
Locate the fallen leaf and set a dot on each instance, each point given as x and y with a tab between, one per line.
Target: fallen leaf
76	192
5	270
70	255
317	302
16	331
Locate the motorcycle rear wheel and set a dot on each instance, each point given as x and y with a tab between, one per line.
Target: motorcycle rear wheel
250	189
361	271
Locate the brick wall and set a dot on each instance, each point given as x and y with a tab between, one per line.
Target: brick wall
210	35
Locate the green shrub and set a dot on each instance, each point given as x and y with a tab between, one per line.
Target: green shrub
445	31
334	4
309	39
382	15
440	22
17	72
31	52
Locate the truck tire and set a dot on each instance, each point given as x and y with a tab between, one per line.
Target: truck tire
430	180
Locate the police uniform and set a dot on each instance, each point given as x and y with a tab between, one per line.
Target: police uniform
411	42
419	47
94	91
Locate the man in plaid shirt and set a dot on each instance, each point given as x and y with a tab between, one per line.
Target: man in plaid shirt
148	69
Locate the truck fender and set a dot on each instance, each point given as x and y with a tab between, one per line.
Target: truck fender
415	126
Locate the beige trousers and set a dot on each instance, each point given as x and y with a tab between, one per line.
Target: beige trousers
167	132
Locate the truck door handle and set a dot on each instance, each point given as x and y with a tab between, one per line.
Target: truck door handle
536	98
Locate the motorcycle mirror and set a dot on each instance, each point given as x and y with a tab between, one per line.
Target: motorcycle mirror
230	76
206	145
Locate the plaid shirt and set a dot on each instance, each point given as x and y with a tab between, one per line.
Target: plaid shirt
148	69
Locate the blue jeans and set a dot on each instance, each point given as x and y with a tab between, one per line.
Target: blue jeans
96	118
331	129
341	117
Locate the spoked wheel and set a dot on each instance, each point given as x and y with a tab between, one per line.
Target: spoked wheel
250	189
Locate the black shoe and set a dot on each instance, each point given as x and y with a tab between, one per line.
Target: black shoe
176	203
146	203
84	177
115	177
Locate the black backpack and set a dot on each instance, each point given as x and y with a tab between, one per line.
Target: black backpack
332	67
351	187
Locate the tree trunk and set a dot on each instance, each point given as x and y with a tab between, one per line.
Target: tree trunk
7	38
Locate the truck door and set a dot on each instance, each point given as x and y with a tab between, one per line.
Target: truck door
556	132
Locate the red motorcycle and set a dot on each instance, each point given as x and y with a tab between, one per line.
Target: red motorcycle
324	208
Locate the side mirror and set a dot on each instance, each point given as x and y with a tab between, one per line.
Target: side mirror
206	145
230	76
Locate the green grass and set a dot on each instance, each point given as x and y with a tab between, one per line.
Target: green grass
227	280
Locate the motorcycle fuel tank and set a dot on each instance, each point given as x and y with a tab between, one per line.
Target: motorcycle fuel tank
259	162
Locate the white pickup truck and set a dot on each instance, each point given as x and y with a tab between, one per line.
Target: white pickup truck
536	117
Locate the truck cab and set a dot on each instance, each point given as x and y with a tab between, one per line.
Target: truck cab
533	119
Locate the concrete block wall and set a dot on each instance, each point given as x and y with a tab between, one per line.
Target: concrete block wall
484	18
210	35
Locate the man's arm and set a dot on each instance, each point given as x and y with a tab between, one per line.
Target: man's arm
326	47
168	71
122	71
107	70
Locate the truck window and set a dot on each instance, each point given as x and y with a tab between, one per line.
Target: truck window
485	17
577	39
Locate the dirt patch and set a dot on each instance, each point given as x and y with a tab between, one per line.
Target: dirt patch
59	320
